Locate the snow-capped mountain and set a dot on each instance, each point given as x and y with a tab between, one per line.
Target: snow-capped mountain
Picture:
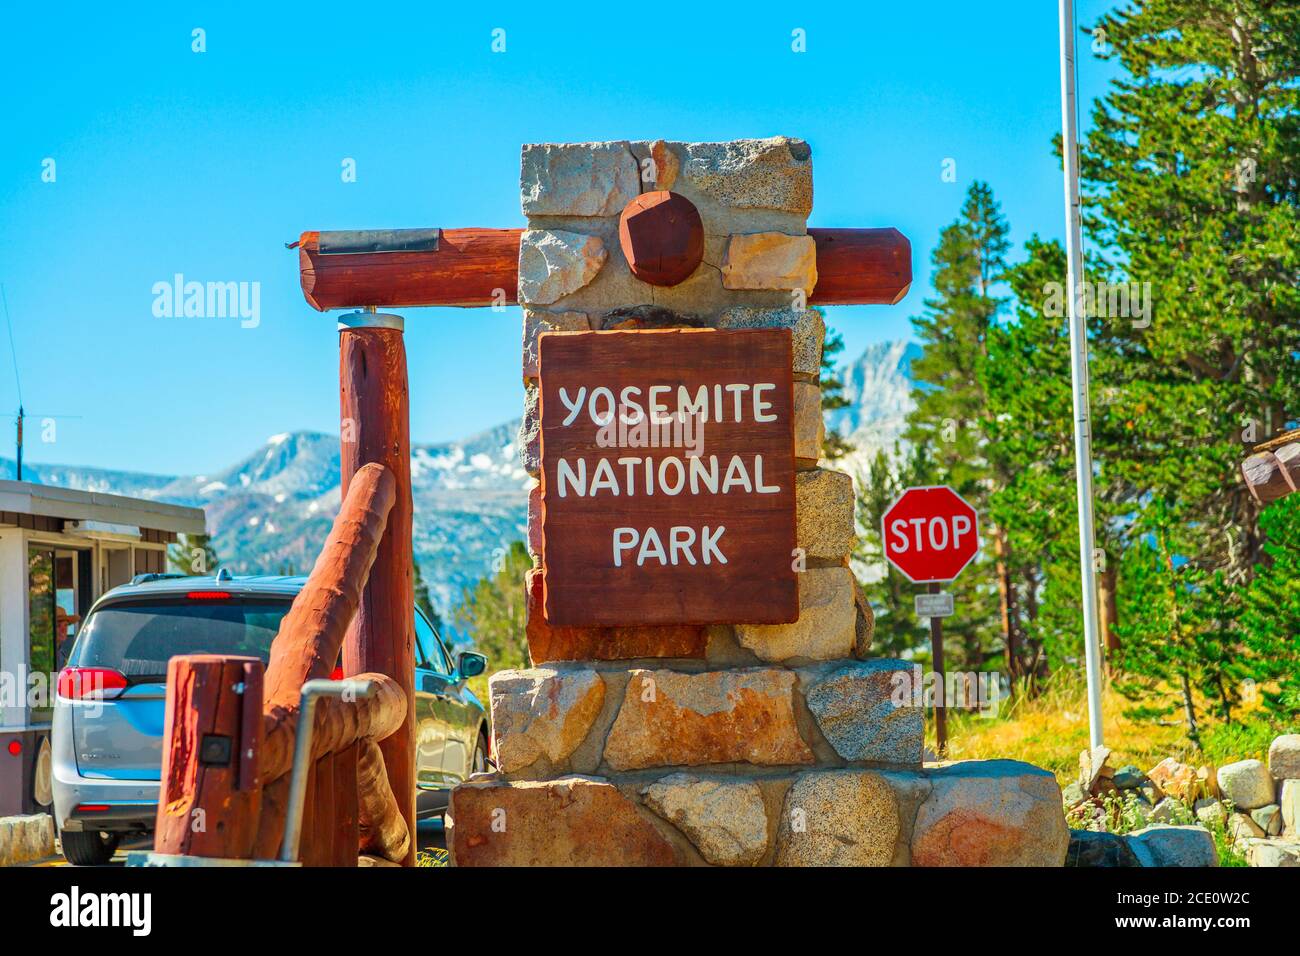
270	513
878	387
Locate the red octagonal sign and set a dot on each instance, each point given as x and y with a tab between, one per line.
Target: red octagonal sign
930	534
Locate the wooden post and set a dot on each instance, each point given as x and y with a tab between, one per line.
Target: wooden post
320	830
941	687
340	728
346	796
1108	606
375	427
211	792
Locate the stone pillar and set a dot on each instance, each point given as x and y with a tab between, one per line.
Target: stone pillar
727	744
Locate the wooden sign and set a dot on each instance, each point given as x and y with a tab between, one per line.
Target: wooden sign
668	477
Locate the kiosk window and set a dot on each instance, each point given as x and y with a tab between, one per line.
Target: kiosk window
41	610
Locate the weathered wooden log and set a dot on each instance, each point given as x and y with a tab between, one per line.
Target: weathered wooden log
480	267
375	410
319	833
312	633
1267	474
383	828
1277	441
861	266
270	825
336	725
1288	457
346	801
331	822
307	646
211	786
470	267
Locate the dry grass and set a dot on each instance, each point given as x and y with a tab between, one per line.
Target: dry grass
432	857
1050	730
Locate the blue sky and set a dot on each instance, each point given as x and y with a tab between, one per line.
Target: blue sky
205	164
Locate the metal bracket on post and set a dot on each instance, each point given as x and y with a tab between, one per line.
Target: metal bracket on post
368	318
363	241
312	691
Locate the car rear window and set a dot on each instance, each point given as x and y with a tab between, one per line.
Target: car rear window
138	638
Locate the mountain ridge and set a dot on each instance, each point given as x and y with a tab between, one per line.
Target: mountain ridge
270	511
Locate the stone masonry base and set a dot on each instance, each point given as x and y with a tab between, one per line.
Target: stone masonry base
974	813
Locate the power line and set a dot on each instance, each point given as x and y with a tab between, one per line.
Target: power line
12	350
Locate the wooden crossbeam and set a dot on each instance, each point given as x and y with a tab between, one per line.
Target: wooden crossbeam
480	267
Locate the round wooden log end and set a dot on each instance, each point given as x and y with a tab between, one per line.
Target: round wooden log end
1265	477
662	237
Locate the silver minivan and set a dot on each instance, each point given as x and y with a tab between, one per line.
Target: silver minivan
106	733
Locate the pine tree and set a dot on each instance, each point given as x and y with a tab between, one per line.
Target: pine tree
1179	632
951	416
1031	449
834	445
1271	616
1027	384
493	611
1193	174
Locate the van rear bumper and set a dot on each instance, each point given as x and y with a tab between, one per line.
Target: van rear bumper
113	817
95	803
84	803
92	803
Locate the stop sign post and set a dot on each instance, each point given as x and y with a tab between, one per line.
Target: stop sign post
930	534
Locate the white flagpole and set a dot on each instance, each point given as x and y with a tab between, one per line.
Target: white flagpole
1079	371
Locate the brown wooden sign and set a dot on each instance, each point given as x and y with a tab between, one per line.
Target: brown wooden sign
668	477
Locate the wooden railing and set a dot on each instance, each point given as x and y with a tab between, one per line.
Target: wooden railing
231	724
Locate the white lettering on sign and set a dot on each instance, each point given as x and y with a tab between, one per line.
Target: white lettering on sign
681	542
733	402
935	532
933	605
670	475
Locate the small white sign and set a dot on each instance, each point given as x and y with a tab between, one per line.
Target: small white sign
934	605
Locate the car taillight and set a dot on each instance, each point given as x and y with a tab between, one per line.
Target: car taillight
208	595
90	683
15	747
337	673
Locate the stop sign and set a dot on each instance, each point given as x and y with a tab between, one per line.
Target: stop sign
930	534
